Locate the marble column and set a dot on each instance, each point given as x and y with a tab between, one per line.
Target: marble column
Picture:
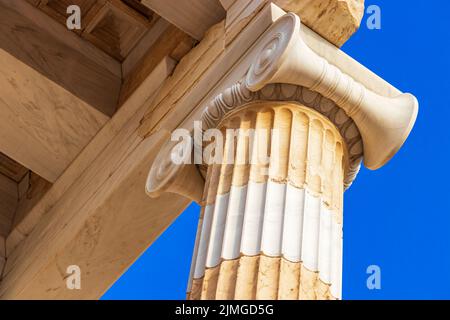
271	226
271	221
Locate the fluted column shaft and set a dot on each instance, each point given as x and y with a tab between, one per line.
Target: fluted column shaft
271	226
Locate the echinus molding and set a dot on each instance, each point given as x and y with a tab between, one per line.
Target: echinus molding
239	95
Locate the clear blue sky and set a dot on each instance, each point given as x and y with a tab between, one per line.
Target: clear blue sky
397	217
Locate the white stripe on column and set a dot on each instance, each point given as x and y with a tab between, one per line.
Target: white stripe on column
204	240
293	223
233	227
253	218
217	229
336	259
273	219
310	242
195	254
325	243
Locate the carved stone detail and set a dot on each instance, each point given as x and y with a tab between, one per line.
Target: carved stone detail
285	58
239	95
166	176
374	127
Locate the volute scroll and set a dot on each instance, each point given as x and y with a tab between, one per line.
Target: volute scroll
284	57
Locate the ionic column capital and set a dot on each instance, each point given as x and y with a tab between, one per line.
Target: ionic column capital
284	68
271	226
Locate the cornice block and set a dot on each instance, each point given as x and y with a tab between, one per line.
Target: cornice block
335	20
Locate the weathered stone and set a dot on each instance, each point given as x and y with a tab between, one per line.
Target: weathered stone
335	20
